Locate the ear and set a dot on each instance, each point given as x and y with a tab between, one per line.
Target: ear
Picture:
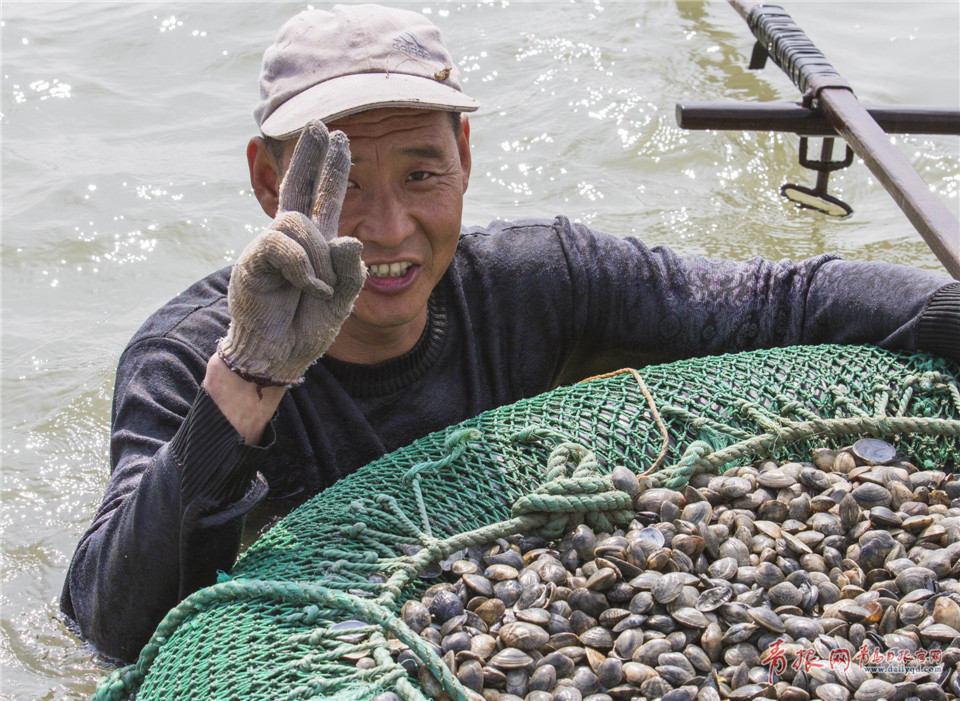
463	147
264	176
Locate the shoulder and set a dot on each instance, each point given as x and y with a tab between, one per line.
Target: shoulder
522	231
524	241
556	247
196	318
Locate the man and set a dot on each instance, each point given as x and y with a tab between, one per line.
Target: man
364	317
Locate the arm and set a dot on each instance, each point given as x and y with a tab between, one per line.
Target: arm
187	419
247	409
893	306
657	302
181	481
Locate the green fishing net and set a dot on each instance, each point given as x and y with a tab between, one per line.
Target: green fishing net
326	583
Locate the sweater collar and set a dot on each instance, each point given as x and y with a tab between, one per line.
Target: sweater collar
397	373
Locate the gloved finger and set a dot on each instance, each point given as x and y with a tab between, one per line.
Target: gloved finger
282	253
299	228
349	268
332	185
301	179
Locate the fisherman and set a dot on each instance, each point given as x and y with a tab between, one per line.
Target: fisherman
365	317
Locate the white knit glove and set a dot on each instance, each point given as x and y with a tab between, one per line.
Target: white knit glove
295	284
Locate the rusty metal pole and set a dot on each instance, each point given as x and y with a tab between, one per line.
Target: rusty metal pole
789	47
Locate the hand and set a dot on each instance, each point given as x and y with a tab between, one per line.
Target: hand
295	284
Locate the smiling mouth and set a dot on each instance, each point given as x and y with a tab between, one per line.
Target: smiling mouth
386	271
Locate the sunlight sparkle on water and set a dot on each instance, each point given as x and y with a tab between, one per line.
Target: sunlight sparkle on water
169	24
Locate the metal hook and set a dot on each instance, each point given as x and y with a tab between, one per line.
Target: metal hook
817	197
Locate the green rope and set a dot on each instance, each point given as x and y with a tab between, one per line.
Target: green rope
128	679
927	383
790	406
761	416
704	423
563	502
529	434
842	400
710	434
455	444
700	458
882	401
357	537
347	682
693	462
573	491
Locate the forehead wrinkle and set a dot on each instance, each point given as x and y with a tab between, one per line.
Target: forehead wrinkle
396	132
430	152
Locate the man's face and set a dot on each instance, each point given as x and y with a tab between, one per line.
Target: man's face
404	202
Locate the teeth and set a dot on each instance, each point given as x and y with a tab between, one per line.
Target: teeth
389	270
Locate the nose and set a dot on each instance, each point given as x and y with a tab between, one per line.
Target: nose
382	219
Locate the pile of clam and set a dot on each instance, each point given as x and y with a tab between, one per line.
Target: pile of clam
741	586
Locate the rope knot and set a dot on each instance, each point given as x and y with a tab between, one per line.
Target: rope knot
694	461
355	530
455	444
574	493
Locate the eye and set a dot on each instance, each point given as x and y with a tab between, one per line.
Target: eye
419	175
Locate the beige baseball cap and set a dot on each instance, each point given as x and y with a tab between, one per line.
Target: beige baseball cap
330	64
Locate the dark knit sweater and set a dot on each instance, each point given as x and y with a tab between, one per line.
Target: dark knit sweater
523	307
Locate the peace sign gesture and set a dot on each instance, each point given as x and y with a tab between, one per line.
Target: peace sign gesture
295	284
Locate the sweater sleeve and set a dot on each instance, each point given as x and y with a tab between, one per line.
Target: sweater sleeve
181	482
670	306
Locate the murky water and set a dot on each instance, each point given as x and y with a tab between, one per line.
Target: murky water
124	180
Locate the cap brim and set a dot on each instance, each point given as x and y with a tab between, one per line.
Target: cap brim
348	95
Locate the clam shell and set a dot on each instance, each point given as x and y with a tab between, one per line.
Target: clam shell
498	573
625	480
584	540
723	568
609	672
637	673
714	598
939	632
767	618
511	658
673	675
747	692
669	587
470	674
869	495
832	692
627	643
478	583
697	513
415	615
883	517
913	578
537	616
597	637
524	636
691	617
602	579
650	651
544	678
738	633
768	528
775	479
947	612
483	645
874	451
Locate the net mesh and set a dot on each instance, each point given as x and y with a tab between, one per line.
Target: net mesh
279	625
